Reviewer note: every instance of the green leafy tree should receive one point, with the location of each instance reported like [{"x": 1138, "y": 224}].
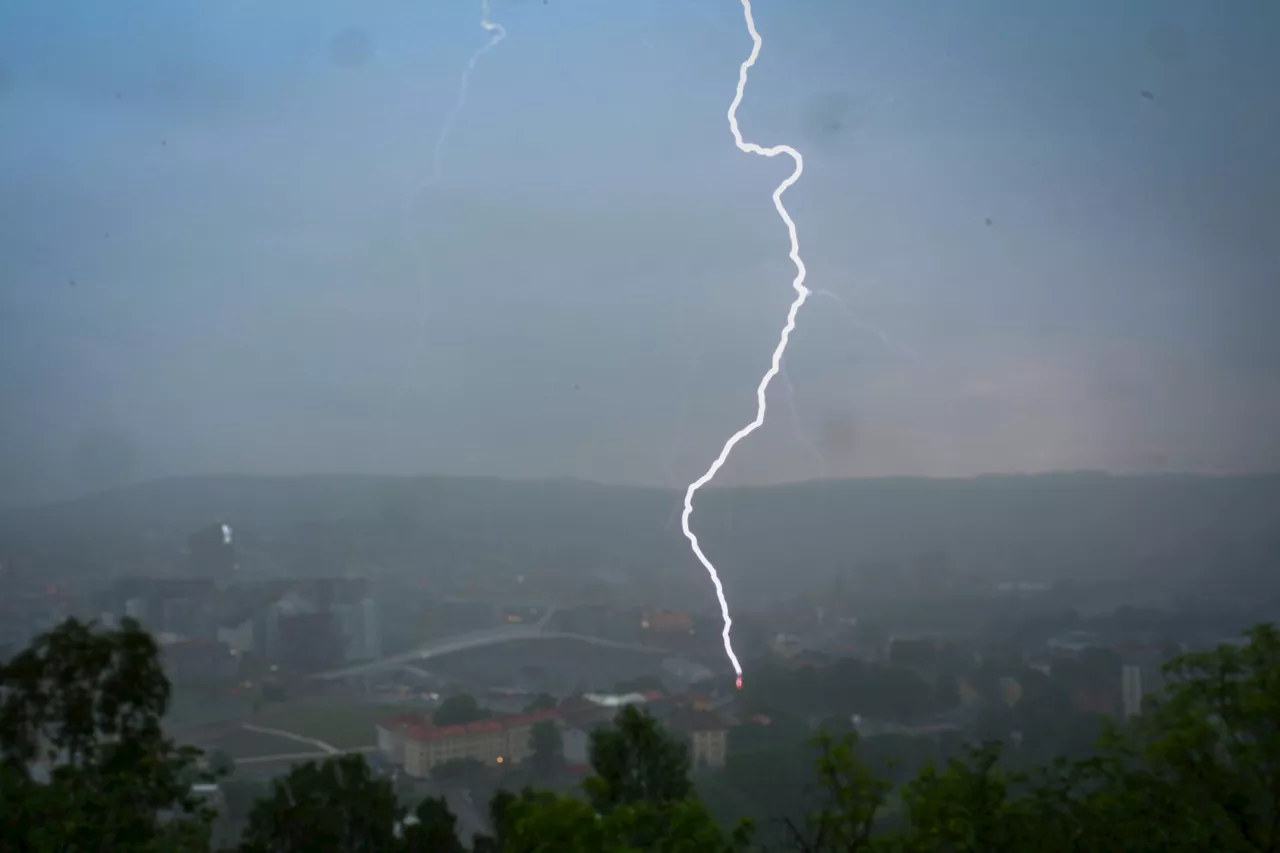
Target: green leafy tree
[
  {"x": 640, "y": 799},
  {"x": 546, "y": 745},
  {"x": 636, "y": 761},
  {"x": 457, "y": 709},
  {"x": 547, "y": 823},
  {"x": 1199, "y": 770},
  {"x": 850, "y": 798},
  {"x": 765, "y": 781},
  {"x": 1211, "y": 743},
  {"x": 434, "y": 829},
  {"x": 963, "y": 807},
  {"x": 84, "y": 764},
  {"x": 337, "y": 804}
]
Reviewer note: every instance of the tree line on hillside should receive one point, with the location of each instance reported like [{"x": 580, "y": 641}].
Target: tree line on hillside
[{"x": 85, "y": 766}]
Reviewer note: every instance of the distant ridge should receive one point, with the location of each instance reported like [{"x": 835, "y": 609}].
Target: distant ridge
[{"x": 1078, "y": 524}]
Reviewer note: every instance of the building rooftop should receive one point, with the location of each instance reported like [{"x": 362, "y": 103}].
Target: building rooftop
[
  {"x": 691, "y": 720},
  {"x": 419, "y": 728}
]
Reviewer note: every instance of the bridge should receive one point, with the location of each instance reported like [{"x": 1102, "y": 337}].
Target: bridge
[{"x": 480, "y": 639}]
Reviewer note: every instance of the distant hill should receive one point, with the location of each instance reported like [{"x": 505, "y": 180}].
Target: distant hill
[{"x": 766, "y": 539}]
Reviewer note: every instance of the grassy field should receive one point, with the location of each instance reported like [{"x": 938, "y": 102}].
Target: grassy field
[{"x": 346, "y": 724}]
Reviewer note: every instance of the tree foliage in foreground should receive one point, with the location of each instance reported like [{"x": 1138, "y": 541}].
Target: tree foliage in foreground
[
  {"x": 1199, "y": 770},
  {"x": 84, "y": 764}
]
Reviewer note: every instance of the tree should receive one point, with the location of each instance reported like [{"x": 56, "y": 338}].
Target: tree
[
  {"x": 1199, "y": 770},
  {"x": 636, "y": 761},
  {"x": 547, "y": 823},
  {"x": 639, "y": 799},
  {"x": 851, "y": 797},
  {"x": 433, "y": 829},
  {"x": 337, "y": 804},
  {"x": 457, "y": 709},
  {"x": 765, "y": 780},
  {"x": 1211, "y": 743},
  {"x": 546, "y": 746},
  {"x": 84, "y": 764},
  {"x": 963, "y": 807}
]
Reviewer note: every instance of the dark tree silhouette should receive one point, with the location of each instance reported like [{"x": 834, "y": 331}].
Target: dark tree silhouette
[{"x": 84, "y": 764}]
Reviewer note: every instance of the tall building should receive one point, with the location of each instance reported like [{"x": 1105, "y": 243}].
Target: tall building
[
  {"x": 360, "y": 627},
  {"x": 188, "y": 617},
  {"x": 1137, "y": 682},
  {"x": 309, "y": 642}
]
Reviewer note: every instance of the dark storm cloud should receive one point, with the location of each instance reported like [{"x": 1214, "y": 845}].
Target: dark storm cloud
[{"x": 1039, "y": 268}]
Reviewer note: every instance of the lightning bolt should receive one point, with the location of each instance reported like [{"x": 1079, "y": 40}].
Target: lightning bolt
[
  {"x": 496, "y": 34},
  {"x": 802, "y": 293}
]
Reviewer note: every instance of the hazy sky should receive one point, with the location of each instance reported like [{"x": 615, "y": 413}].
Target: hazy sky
[{"x": 1054, "y": 226}]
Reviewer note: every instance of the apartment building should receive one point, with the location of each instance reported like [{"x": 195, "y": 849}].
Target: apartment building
[{"x": 418, "y": 745}]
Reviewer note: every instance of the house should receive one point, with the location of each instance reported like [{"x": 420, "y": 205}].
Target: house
[{"x": 708, "y": 735}]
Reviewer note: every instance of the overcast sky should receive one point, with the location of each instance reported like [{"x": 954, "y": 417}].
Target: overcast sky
[{"x": 1054, "y": 228}]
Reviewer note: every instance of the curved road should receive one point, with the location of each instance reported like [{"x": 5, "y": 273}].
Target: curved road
[
  {"x": 480, "y": 639},
  {"x": 325, "y": 748}
]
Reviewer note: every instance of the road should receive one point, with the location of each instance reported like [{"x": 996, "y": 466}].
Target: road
[
  {"x": 281, "y": 733},
  {"x": 303, "y": 756}
]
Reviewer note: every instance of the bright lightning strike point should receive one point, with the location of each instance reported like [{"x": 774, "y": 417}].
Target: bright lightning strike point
[{"x": 802, "y": 293}]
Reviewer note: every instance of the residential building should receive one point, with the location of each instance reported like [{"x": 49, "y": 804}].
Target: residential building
[
  {"x": 308, "y": 642},
  {"x": 191, "y": 617},
  {"x": 1073, "y": 644},
  {"x": 361, "y": 629},
  {"x": 188, "y": 661},
  {"x": 708, "y": 735},
  {"x": 240, "y": 638},
  {"x": 420, "y": 746}
]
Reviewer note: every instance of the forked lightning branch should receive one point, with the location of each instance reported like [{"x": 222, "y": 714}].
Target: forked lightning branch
[{"x": 496, "y": 35}]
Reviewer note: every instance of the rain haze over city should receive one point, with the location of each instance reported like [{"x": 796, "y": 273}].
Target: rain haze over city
[{"x": 435, "y": 384}]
